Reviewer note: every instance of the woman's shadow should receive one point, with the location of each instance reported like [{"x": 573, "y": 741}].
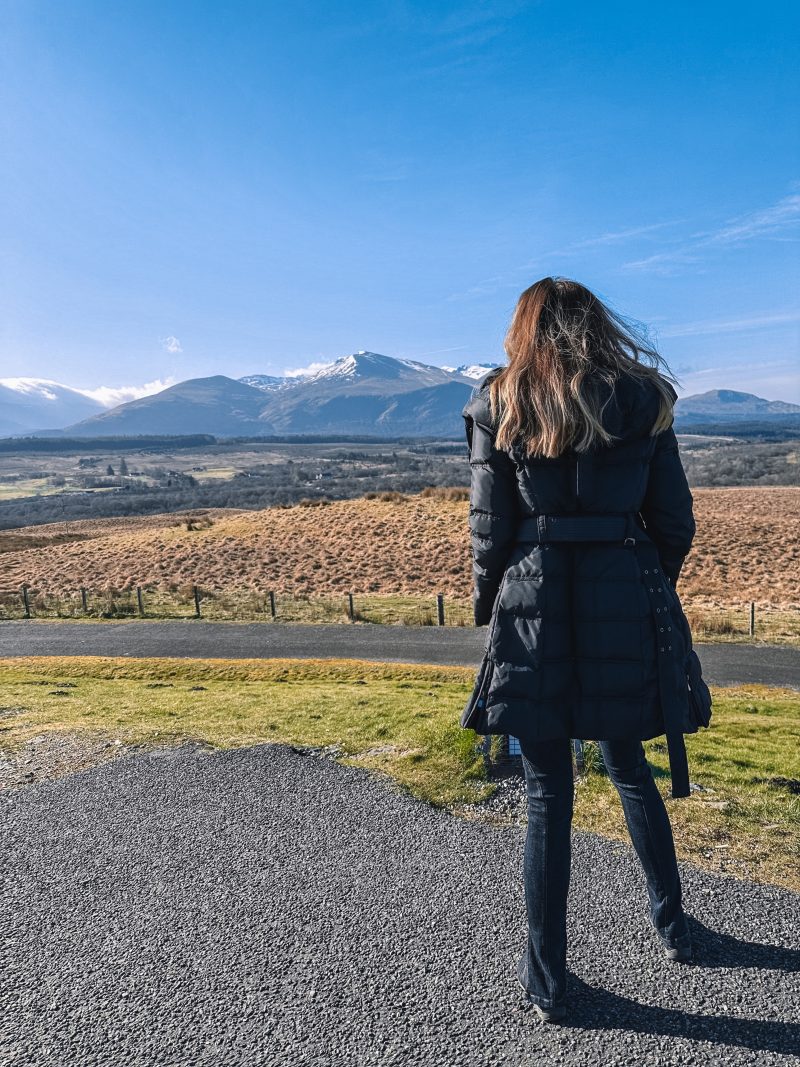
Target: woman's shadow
[
  {"x": 713, "y": 949},
  {"x": 593, "y": 1008}
]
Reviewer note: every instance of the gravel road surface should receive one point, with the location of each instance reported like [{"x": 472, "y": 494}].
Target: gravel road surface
[
  {"x": 267, "y": 907},
  {"x": 723, "y": 664}
]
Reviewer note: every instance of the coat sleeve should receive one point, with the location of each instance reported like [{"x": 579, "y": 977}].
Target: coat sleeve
[
  {"x": 667, "y": 505},
  {"x": 493, "y": 515}
]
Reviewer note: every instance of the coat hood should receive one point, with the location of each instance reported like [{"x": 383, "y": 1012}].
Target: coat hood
[{"x": 631, "y": 410}]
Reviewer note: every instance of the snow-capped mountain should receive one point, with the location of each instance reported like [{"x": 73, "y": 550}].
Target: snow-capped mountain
[
  {"x": 369, "y": 393},
  {"x": 363, "y": 366},
  {"x": 361, "y": 393},
  {"x": 363, "y": 369},
  {"x": 28, "y": 404}
]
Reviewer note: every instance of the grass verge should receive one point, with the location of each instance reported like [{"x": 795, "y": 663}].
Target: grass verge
[
  {"x": 725, "y": 624},
  {"x": 402, "y": 720}
]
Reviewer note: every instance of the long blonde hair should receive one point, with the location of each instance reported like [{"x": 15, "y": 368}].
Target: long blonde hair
[{"x": 562, "y": 342}]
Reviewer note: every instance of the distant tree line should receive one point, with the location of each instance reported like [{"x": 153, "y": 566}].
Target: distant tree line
[
  {"x": 332, "y": 474},
  {"x": 775, "y": 428},
  {"x": 154, "y": 443},
  {"x": 104, "y": 444},
  {"x": 729, "y": 463}
]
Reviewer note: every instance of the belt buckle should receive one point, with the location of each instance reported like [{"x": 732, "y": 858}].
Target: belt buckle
[{"x": 629, "y": 541}]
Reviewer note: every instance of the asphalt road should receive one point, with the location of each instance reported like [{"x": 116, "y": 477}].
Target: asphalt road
[
  {"x": 723, "y": 664},
  {"x": 262, "y": 907}
]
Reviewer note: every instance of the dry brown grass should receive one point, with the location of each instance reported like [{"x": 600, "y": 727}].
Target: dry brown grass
[{"x": 746, "y": 549}]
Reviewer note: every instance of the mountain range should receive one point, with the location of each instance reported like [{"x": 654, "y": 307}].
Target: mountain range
[{"x": 362, "y": 393}]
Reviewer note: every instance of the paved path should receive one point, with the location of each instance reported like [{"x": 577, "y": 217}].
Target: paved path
[
  {"x": 723, "y": 664},
  {"x": 263, "y": 907}
]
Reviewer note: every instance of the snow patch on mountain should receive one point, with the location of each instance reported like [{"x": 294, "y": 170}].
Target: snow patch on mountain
[{"x": 475, "y": 371}]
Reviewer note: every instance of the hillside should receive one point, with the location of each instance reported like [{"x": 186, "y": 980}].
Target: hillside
[
  {"x": 746, "y": 549},
  {"x": 728, "y": 404},
  {"x": 216, "y": 405}
]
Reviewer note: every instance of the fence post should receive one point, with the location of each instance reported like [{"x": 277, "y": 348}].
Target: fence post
[
  {"x": 752, "y": 618},
  {"x": 25, "y": 601},
  {"x": 440, "y": 607},
  {"x": 139, "y": 600},
  {"x": 272, "y": 603},
  {"x": 196, "y": 594},
  {"x": 580, "y": 762},
  {"x": 350, "y": 608},
  {"x": 84, "y": 602}
]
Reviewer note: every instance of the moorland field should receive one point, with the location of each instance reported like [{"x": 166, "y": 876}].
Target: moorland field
[{"x": 746, "y": 549}]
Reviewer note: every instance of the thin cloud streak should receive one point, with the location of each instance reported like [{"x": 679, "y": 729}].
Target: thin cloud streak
[
  {"x": 776, "y": 222},
  {"x": 613, "y": 237},
  {"x": 713, "y": 326},
  {"x": 488, "y": 286}
]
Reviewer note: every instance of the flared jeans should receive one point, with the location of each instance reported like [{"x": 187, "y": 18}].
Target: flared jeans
[{"x": 547, "y": 856}]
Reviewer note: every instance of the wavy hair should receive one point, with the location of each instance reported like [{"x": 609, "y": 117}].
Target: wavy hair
[{"x": 561, "y": 344}]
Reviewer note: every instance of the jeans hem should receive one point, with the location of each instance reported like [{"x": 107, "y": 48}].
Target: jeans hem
[{"x": 545, "y": 1003}]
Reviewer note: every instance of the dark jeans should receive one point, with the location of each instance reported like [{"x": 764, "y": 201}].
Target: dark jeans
[{"x": 548, "y": 775}]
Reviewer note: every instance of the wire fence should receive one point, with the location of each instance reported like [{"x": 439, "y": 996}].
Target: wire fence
[
  {"x": 201, "y": 602},
  {"x": 737, "y": 621}
]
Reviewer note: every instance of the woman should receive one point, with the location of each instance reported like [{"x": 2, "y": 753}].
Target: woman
[{"x": 580, "y": 519}]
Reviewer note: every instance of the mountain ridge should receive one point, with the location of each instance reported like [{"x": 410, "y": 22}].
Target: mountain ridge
[{"x": 365, "y": 393}]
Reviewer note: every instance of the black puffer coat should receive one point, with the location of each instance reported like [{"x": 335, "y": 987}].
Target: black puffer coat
[{"x": 587, "y": 637}]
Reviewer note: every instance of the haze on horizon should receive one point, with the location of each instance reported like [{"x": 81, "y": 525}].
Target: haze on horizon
[{"x": 258, "y": 189}]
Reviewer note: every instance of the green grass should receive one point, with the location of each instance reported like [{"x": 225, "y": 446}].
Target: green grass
[
  {"x": 25, "y": 487},
  {"x": 402, "y": 720},
  {"x": 746, "y": 818},
  {"x": 396, "y": 719}
]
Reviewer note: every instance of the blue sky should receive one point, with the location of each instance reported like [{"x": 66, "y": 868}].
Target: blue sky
[{"x": 200, "y": 188}]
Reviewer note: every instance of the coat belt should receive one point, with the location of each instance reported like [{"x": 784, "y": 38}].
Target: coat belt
[{"x": 585, "y": 527}]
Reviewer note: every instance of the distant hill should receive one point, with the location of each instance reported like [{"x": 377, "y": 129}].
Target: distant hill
[
  {"x": 727, "y": 405},
  {"x": 216, "y": 405},
  {"x": 30, "y": 404}
]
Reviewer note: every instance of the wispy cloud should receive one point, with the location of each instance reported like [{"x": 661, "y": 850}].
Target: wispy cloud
[
  {"x": 772, "y": 221},
  {"x": 311, "y": 368},
  {"x": 110, "y": 396},
  {"x": 713, "y": 326},
  {"x": 780, "y": 221},
  {"x": 613, "y": 237},
  {"x": 171, "y": 344},
  {"x": 543, "y": 261},
  {"x": 435, "y": 352}
]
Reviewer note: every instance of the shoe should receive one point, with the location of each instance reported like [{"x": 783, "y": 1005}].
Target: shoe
[
  {"x": 679, "y": 949},
  {"x": 550, "y": 1015},
  {"x": 546, "y": 1015}
]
